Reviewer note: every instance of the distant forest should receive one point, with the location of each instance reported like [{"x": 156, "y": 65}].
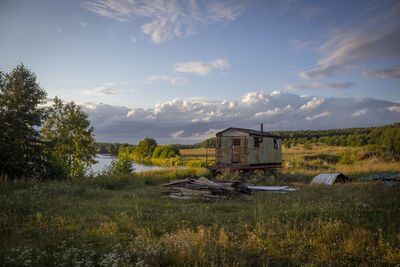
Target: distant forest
[
  {"x": 385, "y": 138},
  {"x": 109, "y": 148}
]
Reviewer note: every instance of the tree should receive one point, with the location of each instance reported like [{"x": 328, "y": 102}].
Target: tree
[
  {"x": 20, "y": 117},
  {"x": 167, "y": 151},
  {"x": 145, "y": 148},
  {"x": 120, "y": 167},
  {"x": 69, "y": 138}
]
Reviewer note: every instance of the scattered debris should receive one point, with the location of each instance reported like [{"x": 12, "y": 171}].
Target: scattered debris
[
  {"x": 276, "y": 189},
  {"x": 204, "y": 188},
  {"x": 330, "y": 178},
  {"x": 389, "y": 179},
  {"x": 390, "y": 183},
  {"x": 387, "y": 175}
]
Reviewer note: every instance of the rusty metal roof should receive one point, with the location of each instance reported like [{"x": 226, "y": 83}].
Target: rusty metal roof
[
  {"x": 251, "y": 132},
  {"x": 329, "y": 178}
]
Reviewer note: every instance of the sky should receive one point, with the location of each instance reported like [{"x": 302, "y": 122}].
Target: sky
[{"x": 180, "y": 71}]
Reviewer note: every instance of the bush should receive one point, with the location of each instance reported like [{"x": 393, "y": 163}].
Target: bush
[
  {"x": 307, "y": 146},
  {"x": 167, "y": 151},
  {"x": 145, "y": 148},
  {"x": 347, "y": 157},
  {"x": 122, "y": 166}
]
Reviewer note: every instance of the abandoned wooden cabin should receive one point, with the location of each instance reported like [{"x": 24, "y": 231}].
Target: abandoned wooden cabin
[{"x": 247, "y": 149}]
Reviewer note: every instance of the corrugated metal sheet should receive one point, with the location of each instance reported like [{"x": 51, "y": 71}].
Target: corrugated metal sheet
[
  {"x": 272, "y": 188},
  {"x": 329, "y": 178}
]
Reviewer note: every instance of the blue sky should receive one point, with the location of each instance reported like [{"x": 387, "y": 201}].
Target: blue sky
[{"x": 181, "y": 70}]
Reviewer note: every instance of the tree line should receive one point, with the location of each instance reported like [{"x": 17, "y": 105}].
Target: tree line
[
  {"x": 109, "y": 148},
  {"x": 148, "y": 149},
  {"x": 38, "y": 140},
  {"x": 380, "y": 139}
]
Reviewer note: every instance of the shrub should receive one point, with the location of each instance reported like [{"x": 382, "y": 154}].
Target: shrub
[
  {"x": 307, "y": 146},
  {"x": 122, "y": 166},
  {"x": 167, "y": 151},
  {"x": 347, "y": 157}
]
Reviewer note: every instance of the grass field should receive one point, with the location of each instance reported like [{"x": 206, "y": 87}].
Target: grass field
[
  {"x": 197, "y": 153},
  {"x": 308, "y": 163},
  {"x": 125, "y": 221}
]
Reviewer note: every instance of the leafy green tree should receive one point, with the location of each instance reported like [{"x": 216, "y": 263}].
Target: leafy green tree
[
  {"x": 69, "y": 137},
  {"x": 20, "y": 117},
  {"x": 145, "y": 148},
  {"x": 122, "y": 166},
  {"x": 390, "y": 139},
  {"x": 167, "y": 151}
]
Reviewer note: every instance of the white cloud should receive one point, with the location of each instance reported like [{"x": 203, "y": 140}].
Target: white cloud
[
  {"x": 394, "y": 108},
  {"x": 196, "y": 136},
  {"x": 314, "y": 103},
  {"x": 83, "y": 24},
  {"x": 359, "y": 112},
  {"x": 276, "y": 92},
  {"x": 313, "y": 117},
  {"x": 273, "y": 112},
  {"x": 167, "y": 19},
  {"x": 172, "y": 79},
  {"x": 295, "y": 87},
  {"x": 194, "y": 120},
  {"x": 347, "y": 49},
  {"x": 201, "y": 68},
  {"x": 384, "y": 73},
  {"x": 101, "y": 91}
]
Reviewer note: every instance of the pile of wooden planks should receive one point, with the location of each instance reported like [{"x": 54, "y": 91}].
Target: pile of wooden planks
[{"x": 208, "y": 189}]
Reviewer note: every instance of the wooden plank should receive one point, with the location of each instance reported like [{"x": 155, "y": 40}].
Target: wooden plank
[{"x": 173, "y": 182}]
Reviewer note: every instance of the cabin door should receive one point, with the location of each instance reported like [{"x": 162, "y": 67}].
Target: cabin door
[{"x": 236, "y": 150}]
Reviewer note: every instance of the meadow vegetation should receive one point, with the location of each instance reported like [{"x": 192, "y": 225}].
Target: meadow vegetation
[
  {"x": 126, "y": 220},
  {"x": 119, "y": 219}
]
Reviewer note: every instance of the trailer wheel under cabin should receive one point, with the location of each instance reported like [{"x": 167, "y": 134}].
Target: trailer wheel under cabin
[{"x": 247, "y": 149}]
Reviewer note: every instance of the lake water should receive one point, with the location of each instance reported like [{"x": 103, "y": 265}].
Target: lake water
[{"x": 105, "y": 160}]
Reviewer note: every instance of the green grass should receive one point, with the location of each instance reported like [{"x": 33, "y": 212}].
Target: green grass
[{"x": 127, "y": 221}]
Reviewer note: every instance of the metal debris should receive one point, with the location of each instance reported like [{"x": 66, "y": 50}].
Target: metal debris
[
  {"x": 276, "y": 189},
  {"x": 380, "y": 176},
  {"x": 390, "y": 183},
  {"x": 329, "y": 178}
]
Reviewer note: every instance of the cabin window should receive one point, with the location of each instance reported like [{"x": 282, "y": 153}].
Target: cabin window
[
  {"x": 276, "y": 144},
  {"x": 256, "y": 142},
  {"x": 236, "y": 142}
]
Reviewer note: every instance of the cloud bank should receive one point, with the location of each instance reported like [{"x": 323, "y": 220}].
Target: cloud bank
[
  {"x": 384, "y": 73},
  {"x": 376, "y": 40},
  {"x": 317, "y": 86},
  {"x": 189, "y": 121},
  {"x": 166, "y": 20}
]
